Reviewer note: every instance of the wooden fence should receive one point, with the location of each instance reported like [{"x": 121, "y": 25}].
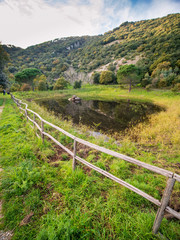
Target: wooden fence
[{"x": 171, "y": 177}]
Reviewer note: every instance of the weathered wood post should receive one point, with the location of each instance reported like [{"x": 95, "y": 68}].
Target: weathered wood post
[
  {"x": 26, "y": 114},
  {"x": 164, "y": 204},
  {"x": 42, "y": 130},
  {"x": 34, "y": 119},
  {"x": 74, "y": 156}
]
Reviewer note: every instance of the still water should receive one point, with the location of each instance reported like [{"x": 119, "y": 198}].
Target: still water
[{"x": 101, "y": 115}]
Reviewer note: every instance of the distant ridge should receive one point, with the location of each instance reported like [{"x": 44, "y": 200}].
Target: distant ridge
[{"x": 148, "y": 40}]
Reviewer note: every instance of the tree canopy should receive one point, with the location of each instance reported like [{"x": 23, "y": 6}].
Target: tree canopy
[
  {"x": 128, "y": 74},
  {"x": 4, "y": 57},
  {"x": 60, "y": 84},
  {"x": 106, "y": 77},
  {"x": 27, "y": 75},
  {"x": 96, "y": 77}
]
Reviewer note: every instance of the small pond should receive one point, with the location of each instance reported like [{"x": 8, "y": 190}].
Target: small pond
[{"x": 101, "y": 115}]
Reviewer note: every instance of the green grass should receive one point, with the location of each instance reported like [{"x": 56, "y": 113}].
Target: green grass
[
  {"x": 81, "y": 204},
  {"x": 1, "y": 101}
]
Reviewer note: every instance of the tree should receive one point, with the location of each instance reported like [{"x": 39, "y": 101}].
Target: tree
[
  {"x": 42, "y": 85},
  {"x": 160, "y": 67},
  {"x": 106, "y": 77},
  {"x": 77, "y": 84},
  {"x": 146, "y": 80},
  {"x": 128, "y": 74},
  {"x": 25, "y": 87},
  {"x": 96, "y": 77},
  {"x": 60, "y": 83},
  {"x": 4, "y": 57},
  {"x": 111, "y": 67},
  {"x": 27, "y": 76},
  {"x": 14, "y": 87},
  {"x": 40, "y": 82}
]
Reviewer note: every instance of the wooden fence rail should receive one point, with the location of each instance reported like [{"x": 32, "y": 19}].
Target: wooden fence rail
[{"x": 172, "y": 177}]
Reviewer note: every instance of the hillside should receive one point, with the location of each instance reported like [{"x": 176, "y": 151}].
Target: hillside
[{"x": 149, "y": 42}]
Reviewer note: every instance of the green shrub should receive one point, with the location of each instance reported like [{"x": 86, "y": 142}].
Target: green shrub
[
  {"x": 96, "y": 77},
  {"x": 176, "y": 88},
  {"x": 20, "y": 179},
  {"x": 60, "y": 84},
  {"x": 106, "y": 77},
  {"x": 25, "y": 87},
  {"x": 148, "y": 87},
  {"x": 14, "y": 87},
  {"x": 42, "y": 86},
  {"x": 77, "y": 84}
]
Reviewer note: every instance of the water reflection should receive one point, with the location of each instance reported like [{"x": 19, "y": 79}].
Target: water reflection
[{"x": 101, "y": 115}]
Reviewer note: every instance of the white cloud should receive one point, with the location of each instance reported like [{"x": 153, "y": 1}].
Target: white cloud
[{"x": 27, "y": 22}]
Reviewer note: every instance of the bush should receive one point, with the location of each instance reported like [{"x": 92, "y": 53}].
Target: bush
[
  {"x": 61, "y": 84},
  {"x": 25, "y": 87},
  {"x": 155, "y": 82},
  {"x": 42, "y": 86},
  {"x": 1, "y": 88},
  {"x": 96, "y": 77},
  {"x": 14, "y": 87},
  {"x": 112, "y": 67},
  {"x": 176, "y": 80},
  {"x": 106, "y": 77},
  {"x": 148, "y": 87},
  {"x": 77, "y": 84},
  {"x": 162, "y": 83},
  {"x": 146, "y": 80},
  {"x": 176, "y": 88}
]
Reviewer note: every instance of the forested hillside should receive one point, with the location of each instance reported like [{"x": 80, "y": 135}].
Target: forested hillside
[{"x": 153, "y": 44}]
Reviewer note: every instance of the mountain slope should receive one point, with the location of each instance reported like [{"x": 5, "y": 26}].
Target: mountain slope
[{"x": 152, "y": 41}]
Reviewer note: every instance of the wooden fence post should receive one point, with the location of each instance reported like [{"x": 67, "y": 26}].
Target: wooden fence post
[
  {"x": 74, "y": 155},
  {"x": 164, "y": 204},
  {"x": 20, "y": 106},
  {"x": 34, "y": 119},
  {"x": 42, "y": 130},
  {"x": 26, "y": 114}
]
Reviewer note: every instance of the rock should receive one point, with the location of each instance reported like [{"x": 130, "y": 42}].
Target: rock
[
  {"x": 77, "y": 99},
  {"x": 6, "y": 235},
  {"x": 74, "y": 98}
]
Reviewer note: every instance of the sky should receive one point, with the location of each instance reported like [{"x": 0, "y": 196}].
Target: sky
[{"x": 28, "y": 22}]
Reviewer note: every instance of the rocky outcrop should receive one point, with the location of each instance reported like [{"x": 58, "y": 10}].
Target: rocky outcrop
[{"x": 74, "y": 98}]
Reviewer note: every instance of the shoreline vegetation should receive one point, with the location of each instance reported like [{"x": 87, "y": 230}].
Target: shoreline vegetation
[{"x": 44, "y": 199}]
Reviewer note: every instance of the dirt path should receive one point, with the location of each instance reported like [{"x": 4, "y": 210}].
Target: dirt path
[{"x": 1, "y": 107}]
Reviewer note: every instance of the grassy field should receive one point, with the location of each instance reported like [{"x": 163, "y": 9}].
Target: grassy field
[
  {"x": 44, "y": 199},
  {"x": 1, "y": 101}
]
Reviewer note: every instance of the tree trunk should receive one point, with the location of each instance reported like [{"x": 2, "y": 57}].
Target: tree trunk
[{"x": 130, "y": 85}]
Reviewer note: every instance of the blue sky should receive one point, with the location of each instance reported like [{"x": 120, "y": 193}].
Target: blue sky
[{"x": 27, "y": 22}]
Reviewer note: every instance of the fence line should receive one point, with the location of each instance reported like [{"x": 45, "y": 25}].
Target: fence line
[{"x": 172, "y": 177}]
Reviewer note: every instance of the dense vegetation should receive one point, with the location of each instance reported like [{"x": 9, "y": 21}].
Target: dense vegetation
[
  {"x": 3, "y": 59},
  {"x": 153, "y": 44}
]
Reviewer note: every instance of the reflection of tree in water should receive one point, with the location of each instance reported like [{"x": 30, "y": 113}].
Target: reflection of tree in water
[
  {"x": 106, "y": 108},
  {"x": 102, "y": 115}
]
